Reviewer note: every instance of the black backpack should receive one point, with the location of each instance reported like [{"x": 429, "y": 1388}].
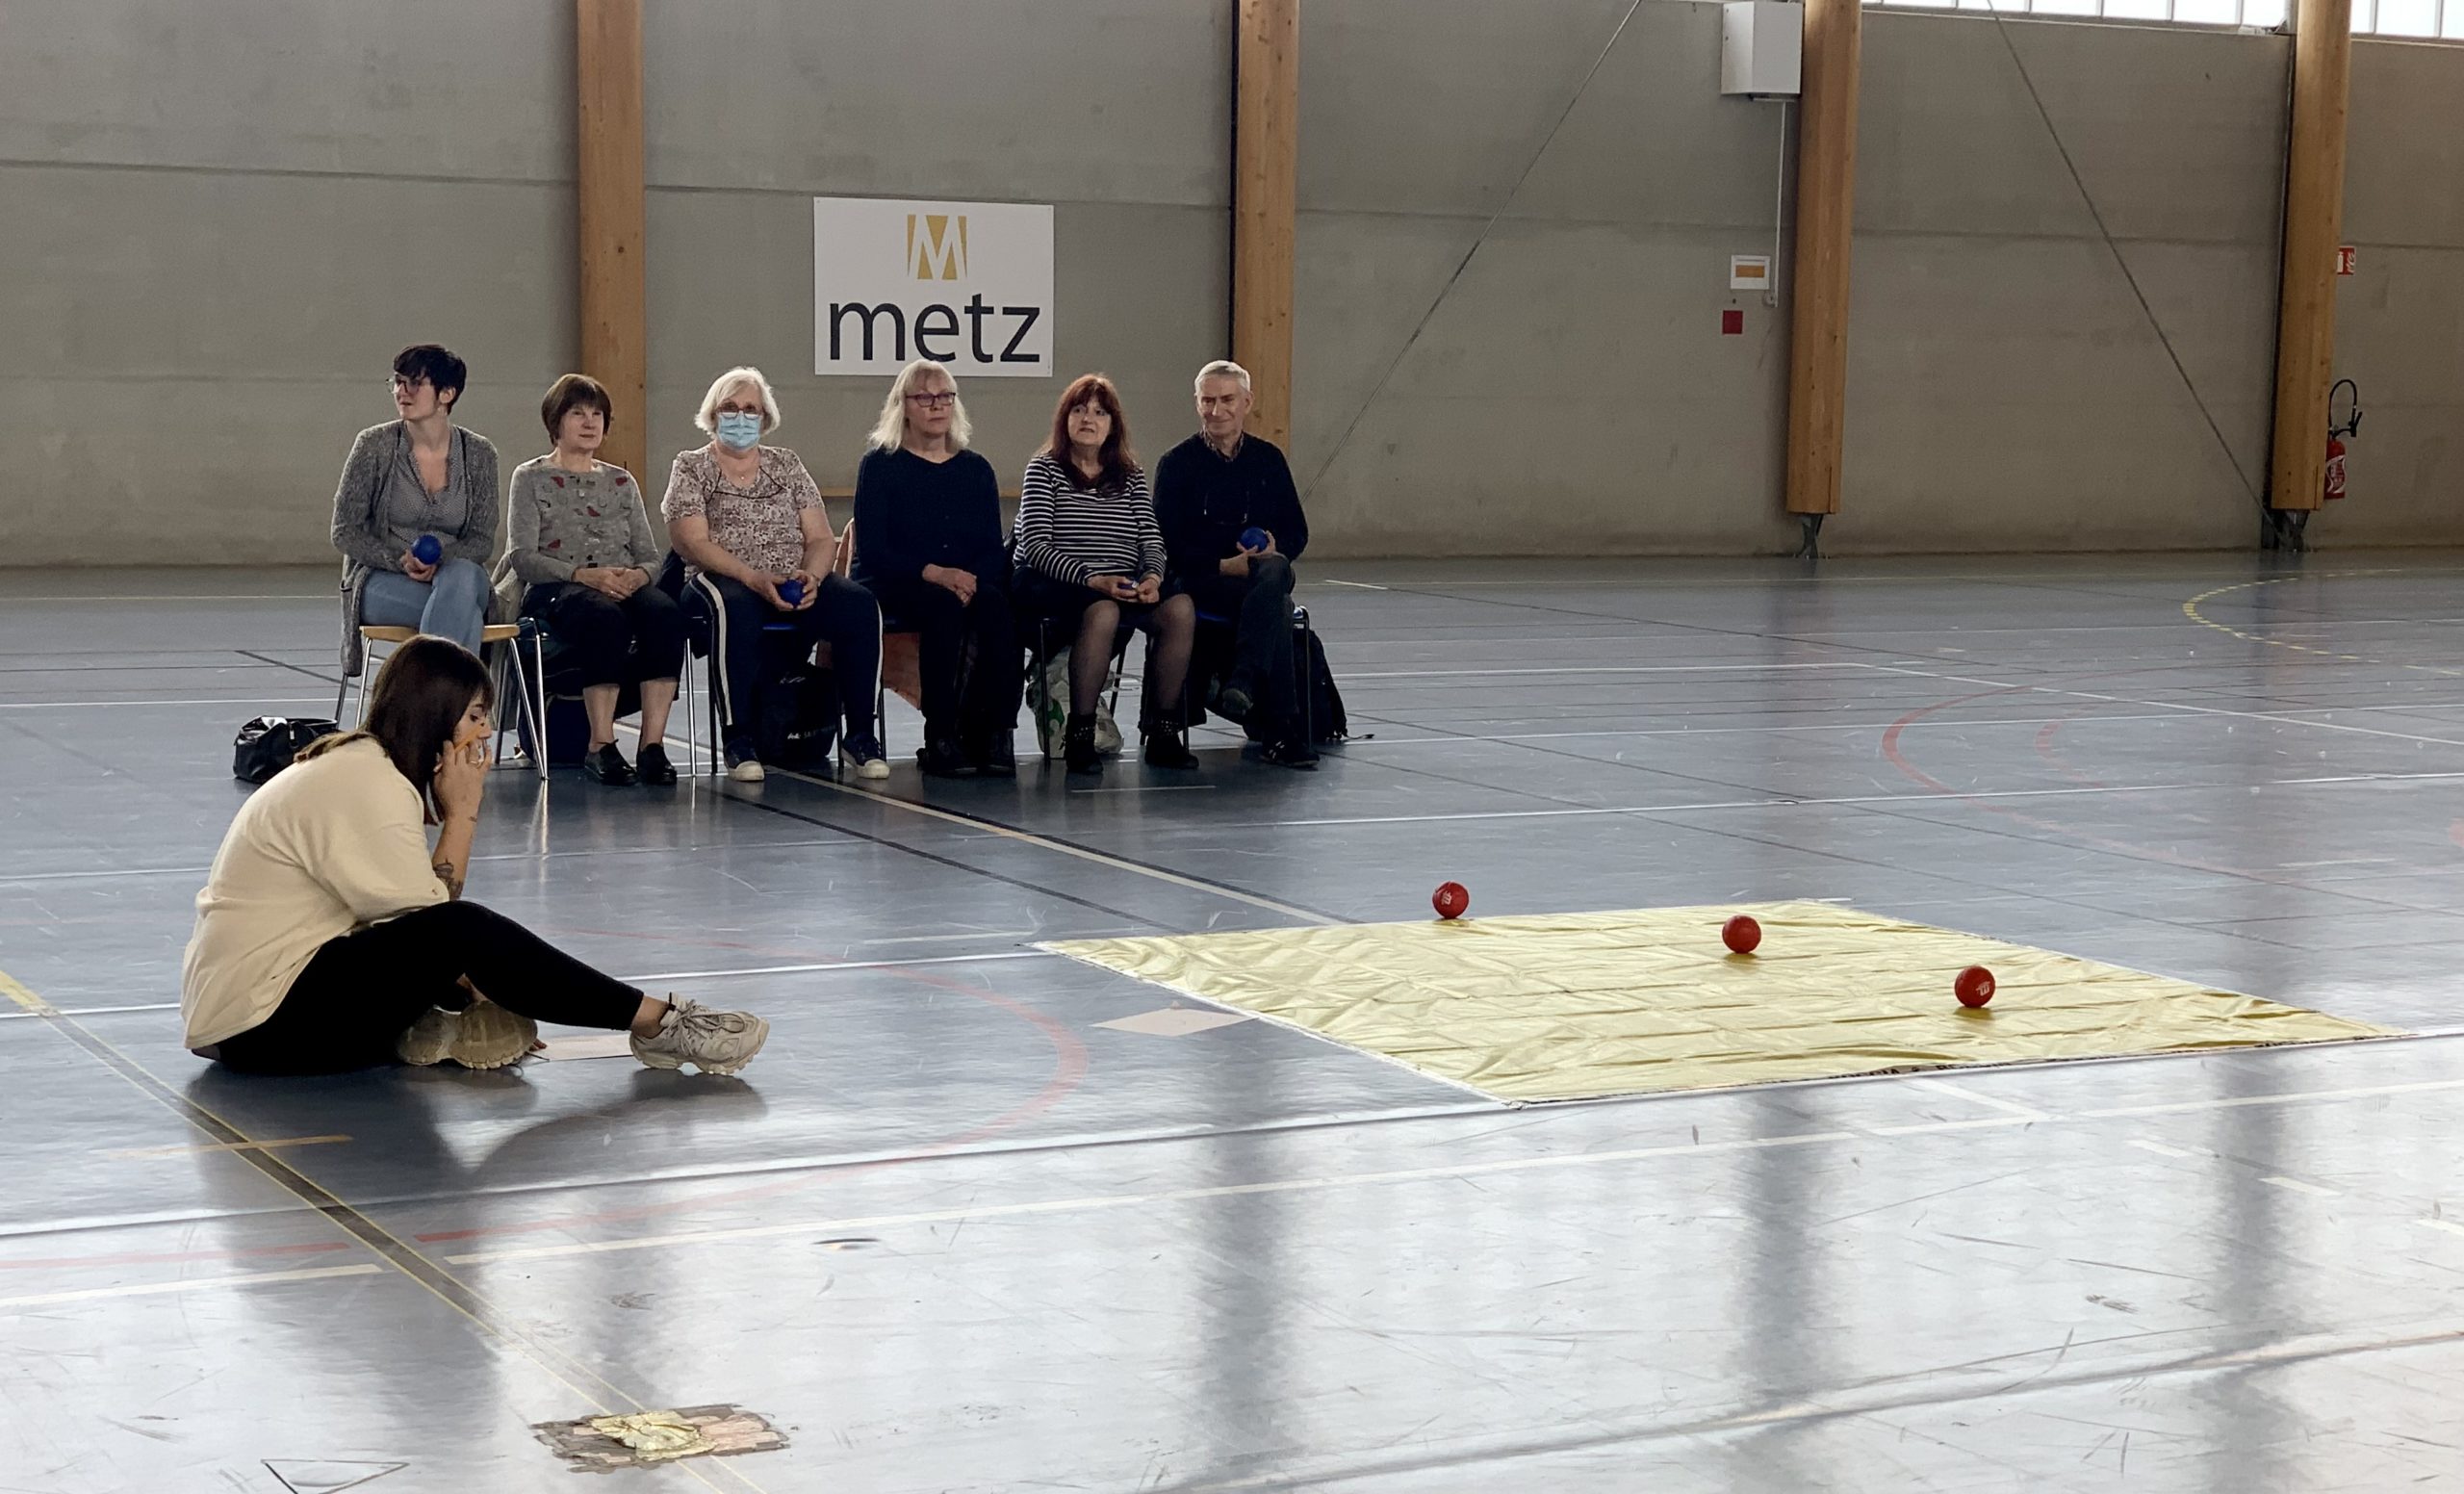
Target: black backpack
[{"x": 265, "y": 745}]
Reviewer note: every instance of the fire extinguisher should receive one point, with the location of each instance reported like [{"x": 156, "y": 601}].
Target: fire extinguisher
[{"x": 2336, "y": 434}]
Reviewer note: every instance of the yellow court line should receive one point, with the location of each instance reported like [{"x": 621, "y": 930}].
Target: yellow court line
[
  {"x": 204, "y": 1147},
  {"x": 493, "y": 1322},
  {"x": 2189, "y": 609}
]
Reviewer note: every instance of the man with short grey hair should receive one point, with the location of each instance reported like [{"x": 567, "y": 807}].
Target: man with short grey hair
[{"x": 1232, "y": 526}]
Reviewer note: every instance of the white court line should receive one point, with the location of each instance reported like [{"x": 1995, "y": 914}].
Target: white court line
[
  {"x": 1979, "y": 1097},
  {"x": 2184, "y": 706},
  {"x": 157, "y": 596},
  {"x": 90, "y": 1011},
  {"x": 235, "y": 700},
  {"x": 2296, "y": 1185},
  {"x": 1118, "y": 1200},
  {"x": 1097, "y": 1201},
  {"x": 2161, "y": 1148},
  {"x": 2185, "y": 1107},
  {"x": 1481, "y": 673},
  {"x": 1356, "y": 585},
  {"x": 2448, "y": 1224},
  {"x": 949, "y": 938},
  {"x": 835, "y": 964},
  {"x": 1963, "y": 723},
  {"x": 192, "y": 1284}
]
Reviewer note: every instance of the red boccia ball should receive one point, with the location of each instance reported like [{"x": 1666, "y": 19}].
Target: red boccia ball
[
  {"x": 1741, "y": 934},
  {"x": 1974, "y": 987},
  {"x": 1450, "y": 899}
]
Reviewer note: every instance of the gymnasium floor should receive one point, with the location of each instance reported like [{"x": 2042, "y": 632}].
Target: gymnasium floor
[{"x": 952, "y": 1234}]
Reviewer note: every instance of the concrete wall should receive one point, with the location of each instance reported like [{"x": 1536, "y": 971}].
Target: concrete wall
[
  {"x": 220, "y": 221},
  {"x": 2399, "y": 319}
]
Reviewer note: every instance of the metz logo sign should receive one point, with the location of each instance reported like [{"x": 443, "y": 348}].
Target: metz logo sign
[{"x": 966, "y": 283}]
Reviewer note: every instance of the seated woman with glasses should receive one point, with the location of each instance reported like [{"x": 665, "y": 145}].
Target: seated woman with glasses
[
  {"x": 749, "y": 524},
  {"x": 1090, "y": 557},
  {"x": 330, "y": 936},
  {"x": 579, "y": 557},
  {"x": 417, "y": 479},
  {"x": 928, "y": 544}
]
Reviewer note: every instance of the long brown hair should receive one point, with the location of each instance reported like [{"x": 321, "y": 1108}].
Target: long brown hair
[
  {"x": 415, "y": 707},
  {"x": 1116, "y": 461}
]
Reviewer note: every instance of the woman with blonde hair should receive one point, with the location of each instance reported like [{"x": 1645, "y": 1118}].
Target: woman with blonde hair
[
  {"x": 1090, "y": 556},
  {"x": 929, "y": 547},
  {"x": 330, "y": 937},
  {"x": 757, "y": 547}
]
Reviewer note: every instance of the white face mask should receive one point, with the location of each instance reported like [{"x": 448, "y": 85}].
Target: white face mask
[{"x": 739, "y": 431}]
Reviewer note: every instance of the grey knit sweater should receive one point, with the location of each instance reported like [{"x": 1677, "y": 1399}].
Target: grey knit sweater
[{"x": 381, "y": 511}]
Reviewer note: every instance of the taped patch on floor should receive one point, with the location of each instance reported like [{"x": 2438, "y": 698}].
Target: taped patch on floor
[
  {"x": 647, "y": 1439},
  {"x": 1579, "y": 1005}
]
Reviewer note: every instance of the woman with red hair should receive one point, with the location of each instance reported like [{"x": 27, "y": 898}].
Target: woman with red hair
[{"x": 1089, "y": 555}]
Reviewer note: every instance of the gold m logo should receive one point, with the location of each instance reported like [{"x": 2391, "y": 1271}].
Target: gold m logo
[{"x": 936, "y": 246}]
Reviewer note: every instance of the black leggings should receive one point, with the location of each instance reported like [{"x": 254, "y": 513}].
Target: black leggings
[
  {"x": 843, "y": 615},
  {"x": 605, "y": 641},
  {"x": 362, "y": 989}
]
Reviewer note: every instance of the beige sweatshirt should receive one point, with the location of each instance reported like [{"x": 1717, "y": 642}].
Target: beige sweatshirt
[{"x": 330, "y": 845}]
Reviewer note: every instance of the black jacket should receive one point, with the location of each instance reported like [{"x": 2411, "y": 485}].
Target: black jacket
[
  {"x": 912, "y": 513},
  {"x": 1202, "y": 502}
]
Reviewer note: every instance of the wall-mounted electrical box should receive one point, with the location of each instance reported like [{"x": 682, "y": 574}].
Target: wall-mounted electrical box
[{"x": 1761, "y": 48}]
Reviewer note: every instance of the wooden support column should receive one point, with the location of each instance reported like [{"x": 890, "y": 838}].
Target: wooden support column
[
  {"x": 2314, "y": 206},
  {"x": 607, "y": 72},
  {"x": 1266, "y": 152},
  {"x": 1818, "y": 304}
]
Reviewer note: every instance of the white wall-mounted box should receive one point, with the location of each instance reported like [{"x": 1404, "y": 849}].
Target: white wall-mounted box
[{"x": 1761, "y": 48}]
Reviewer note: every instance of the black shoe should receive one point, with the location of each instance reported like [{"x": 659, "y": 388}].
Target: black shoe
[
  {"x": 1289, "y": 751},
  {"x": 652, "y": 766},
  {"x": 1235, "y": 701},
  {"x": 1163, "y": 743},
  {"x": 1078, "y": 745},
  {"x": 941, "y": 758},
  {"x": 609, "y": 767},
  {"x": 996, "y": 757}
]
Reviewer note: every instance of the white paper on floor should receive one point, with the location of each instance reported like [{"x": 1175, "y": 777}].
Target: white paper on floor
[
  {"x": 596, "y": 1045},
  {"x": 1176, "y": 1021}
]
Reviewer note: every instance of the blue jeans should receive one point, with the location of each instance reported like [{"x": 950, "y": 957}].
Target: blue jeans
[{"x": 454, "y": 606}]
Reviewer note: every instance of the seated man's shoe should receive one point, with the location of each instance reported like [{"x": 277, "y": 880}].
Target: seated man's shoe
[
  {"x": 652, "y": 766},
  {"x": 1237, "y": 701},
  {"x": 743, "y": 767},
  {"x": 609, "y": 767},
  {"x": 941, "y": 758},
  {"x": 1289, "y": 751}
]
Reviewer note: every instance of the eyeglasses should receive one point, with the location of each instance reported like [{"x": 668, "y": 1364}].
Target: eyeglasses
[
  {"x": 398, "y": 383},
  {"x": 741, "y": 409},
  {"x": 937, "y": 401}
]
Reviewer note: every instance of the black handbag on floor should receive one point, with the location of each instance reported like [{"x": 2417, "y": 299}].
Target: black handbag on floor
[{"x": 265, "y": 745}]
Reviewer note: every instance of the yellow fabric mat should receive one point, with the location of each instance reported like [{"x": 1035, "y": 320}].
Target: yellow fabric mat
[{"x": 1582, "y": 1005}]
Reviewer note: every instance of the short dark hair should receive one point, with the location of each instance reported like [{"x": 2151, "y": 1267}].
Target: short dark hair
[
  {"x": 437, "y": 365},
  {"x": 416, "y": 705},
  {"x": 574, "y": 392}
]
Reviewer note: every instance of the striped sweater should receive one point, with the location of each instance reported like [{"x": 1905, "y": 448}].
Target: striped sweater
[{"x": 1072, "y": 532}]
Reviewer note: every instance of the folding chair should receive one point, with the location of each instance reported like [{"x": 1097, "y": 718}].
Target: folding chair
[
  {"x": 1038, "y": 658},
  {"x": 525, "y": 685}
]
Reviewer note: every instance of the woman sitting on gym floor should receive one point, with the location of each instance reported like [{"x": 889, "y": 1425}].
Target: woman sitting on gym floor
[
  {"x": 1090, "y": 557},
  {"x": 330, "y": 938},
  {"x": 580, "y": 558}
]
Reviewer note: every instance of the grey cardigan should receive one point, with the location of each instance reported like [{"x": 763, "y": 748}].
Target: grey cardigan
[
  {"x": 557, "y": 522},
  {"x": 368, "y": 543}
]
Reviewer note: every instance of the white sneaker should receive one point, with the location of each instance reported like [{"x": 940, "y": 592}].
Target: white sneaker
[
  {"x": 429, "y": 1041},
  {"x": 748, "y": 771},
  {"x": 487, "y": 1035},
  {"x": 862, "y": 757},
  {"x": 716, "y": 1043}
]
